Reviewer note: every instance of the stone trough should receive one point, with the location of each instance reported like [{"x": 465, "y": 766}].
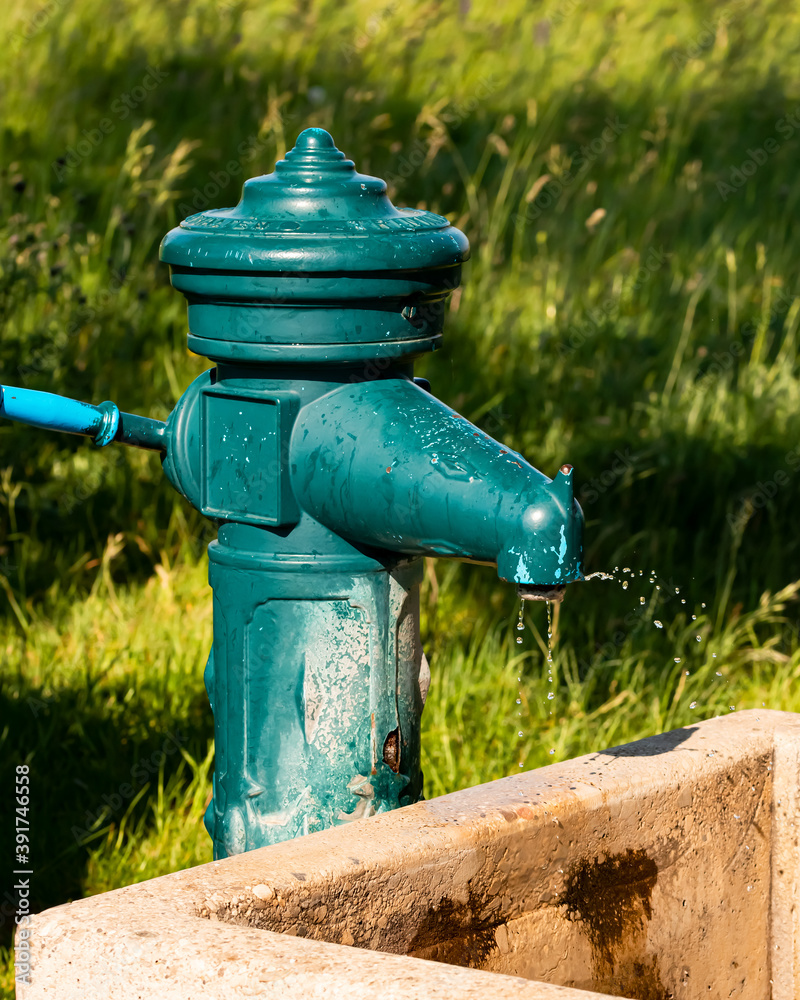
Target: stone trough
[{"x": 664, "y": 868}]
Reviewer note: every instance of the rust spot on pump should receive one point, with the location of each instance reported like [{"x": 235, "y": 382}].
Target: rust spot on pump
[{"x": 391, "y": 750}]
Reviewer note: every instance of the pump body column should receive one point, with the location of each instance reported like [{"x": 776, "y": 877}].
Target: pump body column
[{"x": 314, "y": 681}]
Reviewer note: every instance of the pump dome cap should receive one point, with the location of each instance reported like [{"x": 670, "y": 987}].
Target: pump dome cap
[{"x": 314, "y": 213}]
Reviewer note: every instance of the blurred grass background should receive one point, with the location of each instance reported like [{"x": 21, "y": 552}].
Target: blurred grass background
[{"x": 626, "y": 173}]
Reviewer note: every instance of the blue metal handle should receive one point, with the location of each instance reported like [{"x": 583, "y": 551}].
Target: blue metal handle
[
  {"x": 103, "y": 423},
  {"x": 57, "y": 413}
]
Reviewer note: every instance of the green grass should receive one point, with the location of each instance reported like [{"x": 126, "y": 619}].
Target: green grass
[{"x": 632, "y": 307}]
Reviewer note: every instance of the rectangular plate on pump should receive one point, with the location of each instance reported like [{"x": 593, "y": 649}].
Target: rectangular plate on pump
[{"x": 245, "y": 453}]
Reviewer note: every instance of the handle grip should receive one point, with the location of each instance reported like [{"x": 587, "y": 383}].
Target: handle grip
[{"x": 103, "y": 423}]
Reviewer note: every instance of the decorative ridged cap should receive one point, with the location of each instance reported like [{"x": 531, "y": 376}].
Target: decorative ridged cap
[{"x": 314, "y": 213}]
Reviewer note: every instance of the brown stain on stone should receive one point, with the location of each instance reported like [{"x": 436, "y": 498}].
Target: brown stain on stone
[
  {"x": 455, "y": 933},
  {"x": 611, "y": 899}
]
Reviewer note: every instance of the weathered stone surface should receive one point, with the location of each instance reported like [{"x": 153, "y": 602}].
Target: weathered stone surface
[{"x": 667, "y": 867}]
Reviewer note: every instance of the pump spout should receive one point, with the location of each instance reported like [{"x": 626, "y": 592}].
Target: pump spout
[
  {"x": 104, "y": 423},
  {"x": 387, "y": 465}
]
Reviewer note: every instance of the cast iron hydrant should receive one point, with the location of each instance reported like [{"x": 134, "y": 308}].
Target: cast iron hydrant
[{"x": 329, "y": 471}]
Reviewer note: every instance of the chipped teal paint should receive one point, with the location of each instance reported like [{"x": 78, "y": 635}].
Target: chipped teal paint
[{"x": 330, "y": 472}]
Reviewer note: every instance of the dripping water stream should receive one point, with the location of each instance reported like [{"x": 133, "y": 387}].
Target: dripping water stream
[
  {"x": 644, "y": 610},
  {"x": 551, "y": 692}
]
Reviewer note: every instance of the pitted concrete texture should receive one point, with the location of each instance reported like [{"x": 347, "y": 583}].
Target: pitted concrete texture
[{"x": 663, "y": 868}]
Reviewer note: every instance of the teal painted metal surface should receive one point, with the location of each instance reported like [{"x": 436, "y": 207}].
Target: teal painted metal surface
[
  {"x": 315, "y": 265},
  {"x": 330, "y": 472}
]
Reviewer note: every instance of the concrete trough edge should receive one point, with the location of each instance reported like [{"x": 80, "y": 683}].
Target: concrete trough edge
[{"x": 164, "y": 938}]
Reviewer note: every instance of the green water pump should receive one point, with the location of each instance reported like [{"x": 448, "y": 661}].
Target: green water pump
[{"x": 329, "y": 471}]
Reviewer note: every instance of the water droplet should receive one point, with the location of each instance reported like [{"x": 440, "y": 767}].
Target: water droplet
[
  {"x": 736, "y": 817},
  {"x": 553, "y": 750},
  {"x": 624, "y": 584},
  {"x": 626, "y": 569},
  {"x": 719, "y": 674},
  {"x": 520, "y": 734},
  {"x": 519, "y": 638},
  {"x": 686, "y": 672},
  {"x": 521, "y": 764},
  {"x": 651, "y": 580},
  {"x": 550, "y": 696},
  {"x": 702, "y": 605},
  {"x": 732, "y": 708},
  {"x": 677, "y": 590},
  {"x": 549, "y": 636},
  {"x": 658, "y": 587},
  {"x": 749, "y": 888},
  {"x": 520, "y": 626},
  {"x": 658, "y": 624},
  {"x": 641, "y": 600},
  {"x": 694, "y": 618},
  {"x": 677, "y": 659},
  {"x": 519, "y": 701},
  {"x": 699, "y": 638},
  {"x": 714, "y": 656},
  {"x": 693, "y": 705}
]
